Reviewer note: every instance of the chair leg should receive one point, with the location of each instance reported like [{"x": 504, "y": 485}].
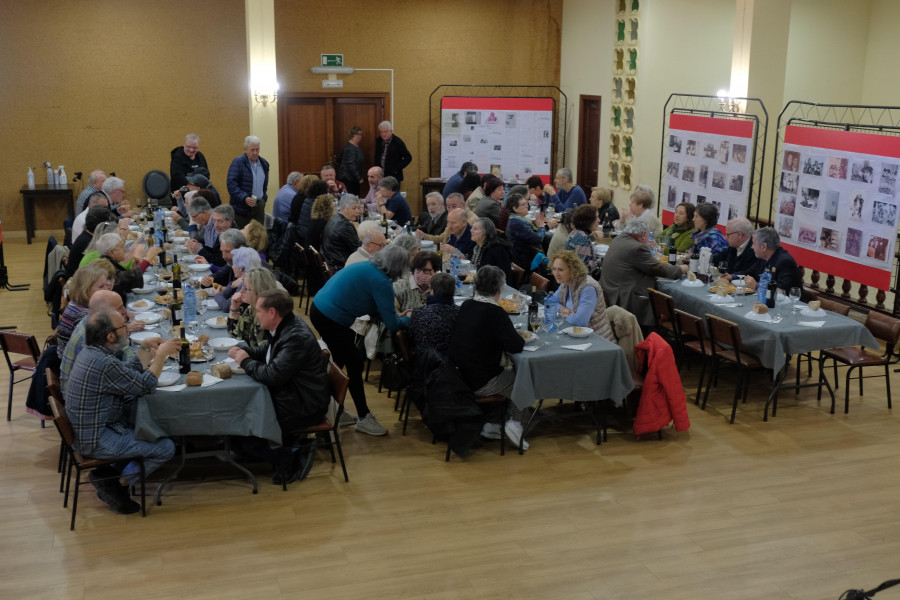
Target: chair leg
[
  {"x": 337, "y": 443},
  {"x": 143, "y": 489},
  {"x": 503, "y": 430},
  {"x": 9, "y": 404},
  {"x": 737, "y": 395},
  {"x": 847, "y": 390},
  {"x": 75, "y": 497},
  {"x": 887, "y": 382},
  {"x": 447, "y": 457},
  {"x": 368, "y": 366},
  {"x": 700, "y": 382},
  {"x": 713, "y": 377}
]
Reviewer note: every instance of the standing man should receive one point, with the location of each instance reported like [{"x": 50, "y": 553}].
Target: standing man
[
  {"x": 372, "y": 241},
  {"x": 281, "y": 208},
  {"x": 184, "y": 160},
  {"x": 248, "y": 180},
  {"x": 390, "y": 152},
  {"x": 95, "y": 184},
  {"x": 455, "y": 183},
  {"x": 351, "y": 168},
  {"x": 375, "y": 175}
]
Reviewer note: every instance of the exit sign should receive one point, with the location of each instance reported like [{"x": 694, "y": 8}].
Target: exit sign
[{"x": 332, "y": 60}]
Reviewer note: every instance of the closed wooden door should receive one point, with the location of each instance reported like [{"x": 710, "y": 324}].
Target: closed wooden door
[
  {"x": 588, "y": 142},
  {"x": 312, "y": 128}
]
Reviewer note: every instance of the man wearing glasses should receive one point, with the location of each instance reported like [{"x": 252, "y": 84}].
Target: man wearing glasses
[
  {"x": 739, "y": 255},
  {"x": 372, "y": 241},
  {"x": 99, "y": 392}
]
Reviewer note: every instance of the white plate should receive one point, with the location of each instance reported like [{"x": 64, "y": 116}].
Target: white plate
[
  {"x": 222, "y": 343},
  {"x": 585, "y": 332},
  {"x": 211, "y": 303},
  {"x": 148, "y": 317},
  {"x": 212, "y": 323},
  {"x": 179, "y": 239},
  {"x": 689, "y": 283},
  {"x": 144, "y": 290},
  {"x": 806, "y": 312},
  {"x": 149, "y": 278},
  {"x": 137, "y": 309},
  {"x": 140, "y": 336},
  {"x": 188, "y": 258},
  {"x": 717, "y": 299},
  {"x": 167, "y": 378},
  {"x": 198, "y": 267},
  {"x": 210, "y": 356}
]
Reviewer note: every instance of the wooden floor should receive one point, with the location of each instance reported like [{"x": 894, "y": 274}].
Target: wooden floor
[{"x": 804, "y": 506}]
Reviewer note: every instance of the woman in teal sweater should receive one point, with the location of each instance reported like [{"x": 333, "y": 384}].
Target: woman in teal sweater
[{"x": 364, "y": 288}]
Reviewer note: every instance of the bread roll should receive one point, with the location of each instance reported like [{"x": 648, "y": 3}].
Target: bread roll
[
  {"x": 760, "y": 308},
  {"x": 691, "y": 276},
  {"x": 194, "y": 378},
  {"x": 815, "y": 305},
  {"x": 221, "y": 371}
]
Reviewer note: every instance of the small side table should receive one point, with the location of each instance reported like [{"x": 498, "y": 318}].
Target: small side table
[{"x": 44, "y": 193}]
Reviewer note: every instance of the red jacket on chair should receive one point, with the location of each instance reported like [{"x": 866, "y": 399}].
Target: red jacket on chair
[{"x": 662, "y": 398}]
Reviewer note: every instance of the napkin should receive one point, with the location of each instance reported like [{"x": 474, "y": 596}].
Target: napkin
[
  {"x": 579, "y": 347},
  {"x": 532, "y": 348},
  {"x": 209, "y": 380},
  {"x": 811, "y": 323},
  {"x": 172, "y": 388}
]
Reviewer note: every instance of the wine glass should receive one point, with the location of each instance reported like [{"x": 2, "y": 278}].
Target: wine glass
[
  {"x": 534, "y": 323},
  {"x": 193, "y": 327},
  {"x": 723, "y": 268},
  {"x": 795, "y": 298},
  {"x": 201, "y": 306}
]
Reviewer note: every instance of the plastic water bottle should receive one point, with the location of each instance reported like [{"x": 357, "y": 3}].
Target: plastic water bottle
[
  {"x": 190, "y": 303},
  {"x": 763, "y": 286},
  {"x": 551, "y": 310},
  {"x": 455, "y": 266},
  {"x": 63, "y": 178},
  {"x": 30, "y": 179},
  {"x": 158, "y": 218},
  {"x": 652, "y": 244}
]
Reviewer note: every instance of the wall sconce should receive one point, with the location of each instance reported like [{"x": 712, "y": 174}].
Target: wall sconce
[
  {"x": 264, "y": 86},
  {"x": 727, "y": 103},
  {"x": 264, "y": 97}
]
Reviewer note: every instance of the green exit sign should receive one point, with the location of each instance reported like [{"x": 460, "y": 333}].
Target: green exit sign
[{"x": 332, "y": 60}]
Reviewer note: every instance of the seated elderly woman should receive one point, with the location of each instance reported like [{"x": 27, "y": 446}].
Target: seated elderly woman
[
  {"x": 526, "y": 236},
  {"x": 584, "y": 223},
  {"x": 640, "y": 205},
  {"x": 561, "y": 235},
  {"x": 601, "y": 199},
  {"x": 490, "y": 249},
  {"x": 242, "y": 322},
  {"x": 138, "y": 252},
  {"x": 431, "y": 326},
  {"x": 707, "y": 235},
  {"x": 128, "y": 275},
  {"x": 80, "y": 288},
  {"x": 412, "y": 291},
  {"x": 482, "y": 334},
  {"x": 242, "y": 260},
  {"x": 579, "y": 295}
]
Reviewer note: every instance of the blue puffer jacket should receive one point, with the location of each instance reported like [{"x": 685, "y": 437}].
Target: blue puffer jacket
[{"x": 240, "y": 183}]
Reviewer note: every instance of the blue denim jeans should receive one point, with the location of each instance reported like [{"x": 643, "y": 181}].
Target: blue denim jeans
[{"x": 117, "y": 445}]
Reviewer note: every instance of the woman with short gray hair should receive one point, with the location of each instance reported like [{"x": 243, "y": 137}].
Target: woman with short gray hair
[
  {"x": 483, "y": 333},
  {"x": 363, "y": 288},
  {"x": 242, "y": 260}
]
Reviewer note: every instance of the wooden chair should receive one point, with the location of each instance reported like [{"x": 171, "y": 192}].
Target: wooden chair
[
  {"x": 884, "y": 328},
  {"x": 85, "y": 463},
  {"x": 726, "y": 346},
  {"x": 518, "y": 275},
  {"x": 539, "y": 282},
  {"x": 326, "y": 432},
  {"x": 693, "y": 339},
  {"x": 56, "y": 392},
  {"x": 835, "y": 307},
  {"x": 664, "y": 315},
  {"x": 22, "y": 344},
  {"x": 318, "y": 272},
  {"x": 493, "y": 399},
  {"x": 304, "y": 266}
]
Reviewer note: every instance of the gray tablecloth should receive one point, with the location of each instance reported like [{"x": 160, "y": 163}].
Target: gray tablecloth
[
  {"x": 237, "y": 406},
  {"x": 599, "y": 373},
  {"x": 770, "y": 342}
]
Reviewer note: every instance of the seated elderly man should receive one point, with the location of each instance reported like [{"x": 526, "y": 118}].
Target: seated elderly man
[
  {"x": 453, "y": 202},
  {"x": 391, "y": 202},
  {"x": 199, "y": 225},
  {"x": 242, "y": 260},
  {"x": 229, "y": 241},
  {"x": 629, "y": 269},
  {"x": 222, "y": 220},
  {"x": 95, "y": 184},
  {"x": 114, "y": 189},
  {"x": 372, "y": 239},
  {"x": 436, "y": 221},
  {"x": 291, "y": 365},
  {"x": 739, "y": 255},
  {"x": 99, "y": 391},
  {"x": 339, "y": 239},
  {"x": 281, "y": 208},
  {"x": 336, "y": 188},
  {"x": 770, "y": 255},
  {"x": 459, "y": 238},
  {"x": 568, "y": 195}
]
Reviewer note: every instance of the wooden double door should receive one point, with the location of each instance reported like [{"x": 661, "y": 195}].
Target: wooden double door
[{"x": 313, "y": 127}]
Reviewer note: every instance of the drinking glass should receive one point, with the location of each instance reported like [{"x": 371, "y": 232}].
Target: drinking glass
[
  {"x": 208, "y": 355},
  {"x": 193, "y": 327},
  {"x": 534, "y": 323},
  {"x": 723, "y": 268},
  {"x": 201, "y": 306},
  {"x": 795, "y": 298}
]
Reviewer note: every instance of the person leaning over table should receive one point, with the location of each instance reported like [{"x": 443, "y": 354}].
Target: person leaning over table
[
  {"x": 640, "y": 203},
  {"x": 579, "y": 295},
  {"x": 525, "y": 236},
  {"x": 129, "y": 275},
  {"x": 679, "y": 232},
  {"x": 99, "y": 395},
  {"x": 364, "y": 288},
  {"x": 707, "y": 235},
  {"x": 739, "y": 255},
  {"x": 222, "y": 220},
  {"x": 770, "y": 255},
  {"x": 242, "y": 322},
  {"x": 95, "y": 216},
  {"x": 490, "y": 248},
  {"x": 81, "y": 288},
  {"x": 483, "y": 333},
  {"x": 629, "y": 269},
  {"x": 454, "y": 201},
  {"x": 372, "y": 240},
  {"x": 291, "y": 365},
  {"x": 412, "y": 290}
]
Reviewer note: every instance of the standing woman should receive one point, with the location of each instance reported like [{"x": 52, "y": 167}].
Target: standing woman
[
  {"x": 679, "y": 232},
  {"x": 706, "y": 216},
  {"x": 579, "y": 295},
  {"x": 363, "y": 288},
  {"x": 490, "y": 249},
  {"x": 584, "y": 223},
  {"x": 350, "y": 171}
]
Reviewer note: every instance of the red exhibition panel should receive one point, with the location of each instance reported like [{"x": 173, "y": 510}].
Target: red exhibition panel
[
  {"x": 730, "y": 127},
  {"x": 847, "y": 141},
  {"x": 840, "y": 267},
  {"x": 473, "y": 103}
]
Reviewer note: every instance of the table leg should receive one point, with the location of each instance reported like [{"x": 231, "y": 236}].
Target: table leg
[
  {"x": 28, "y": 203},
  {"x": 779, "y": 380},
  {"x": 529, "y": 423},
  {"x": 173, "y": 474},
  {"x": 226, "y": 442}
]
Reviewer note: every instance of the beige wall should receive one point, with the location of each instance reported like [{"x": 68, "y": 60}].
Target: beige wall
[
  {"x": 428, "y": 43},
  {"x": 881, "y": 82},
  {"x": 116, "y": 85}
]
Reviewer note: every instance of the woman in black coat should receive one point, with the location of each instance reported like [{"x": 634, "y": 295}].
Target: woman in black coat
[{"x": 490, "y": 249}]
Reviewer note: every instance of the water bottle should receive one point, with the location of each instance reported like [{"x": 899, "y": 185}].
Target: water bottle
[
  {"x": 551, "y": 309},
  {"x": 652, "y": 244},
  {"x": 30, "y": 179},
  {"x": 63, "y": 178},
  {"x": 49, "y": 174},
  {"x": 455, "y": 266},
  {"x": 189, "y": 304},
  {"x": 158, "y": 218},
  {"x": 762, "y": 287}
]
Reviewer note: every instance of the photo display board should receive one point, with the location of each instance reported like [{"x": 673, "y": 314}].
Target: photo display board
[
  {"x": 836, "y": 208},
  {"x": 708, "y": 160},
  {"x": 511, "y": 135}
]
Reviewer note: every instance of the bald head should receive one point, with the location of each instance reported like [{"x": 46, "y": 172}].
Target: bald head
[
  {"x": 456, "y": 221},
  {"x": 106, "y": 300}
]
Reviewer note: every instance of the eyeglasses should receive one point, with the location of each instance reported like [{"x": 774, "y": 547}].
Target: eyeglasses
[
  {"x": 114, "y": 329},
  {"x": 732, "y": 233},
  {"x": 382, "y": 245}
]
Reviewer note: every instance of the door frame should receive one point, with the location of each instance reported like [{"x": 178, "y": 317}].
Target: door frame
[{"x": 582, "y": 142}]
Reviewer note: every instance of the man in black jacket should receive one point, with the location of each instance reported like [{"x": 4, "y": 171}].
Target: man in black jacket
[
  {"x": 184, "y": 160},
  {"x": 291, "y": 365},
  {"x": 739, "y": 255},
  {"x": 390, "y": 152}
]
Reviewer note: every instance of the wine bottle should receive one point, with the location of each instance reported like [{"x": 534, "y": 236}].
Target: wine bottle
[
  {"x": 176, "y": 273},
  {"x": 695, "y": 260},
  {"x": 673, "y": 253},
  {"x": 184, "y": 354},
  {"x": 771, "y": 290},
  {"x": 177, "y": 309},
  {"x": 384, "y": 225}
]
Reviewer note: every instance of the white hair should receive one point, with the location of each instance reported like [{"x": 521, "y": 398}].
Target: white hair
[
  {"x": 192, "y": 137},
  {"x": 250, "y": 139},
  {"x": 638, "y": 226},
  {"x": 245, "y": 258},
  {"x": 92, "y": 178},
  {"x": 107, "y": 242},
  {"x": 386, "y": 124},
  {"x": 293, "y": 177},
  {"x": 348, "y": 200},
  {"x": 565, "y": 172},
  {"x": 367, "y": 226},
  {"x": 112, "y": 184}
]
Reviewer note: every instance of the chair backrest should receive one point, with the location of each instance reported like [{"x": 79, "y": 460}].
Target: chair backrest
[
  {"x": 724, "y": 334},
  {"x": 319, "y": 262},
  {"x": 835, "y": 307},
  {"x": 691, "y": 326},
  {"x": 53, "y": 385},
  {"x": 518, "y": 274},
  {"x": 539, "y": 282},
  {"x": 663, "y": 307},
  {"x": 62, "y": 421},
  {"x": 884, "y": 328},
  {"x": 401, "y": 341},
  {"x": 18, "y": 343},
  {"x": 338, "y": 382}
]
